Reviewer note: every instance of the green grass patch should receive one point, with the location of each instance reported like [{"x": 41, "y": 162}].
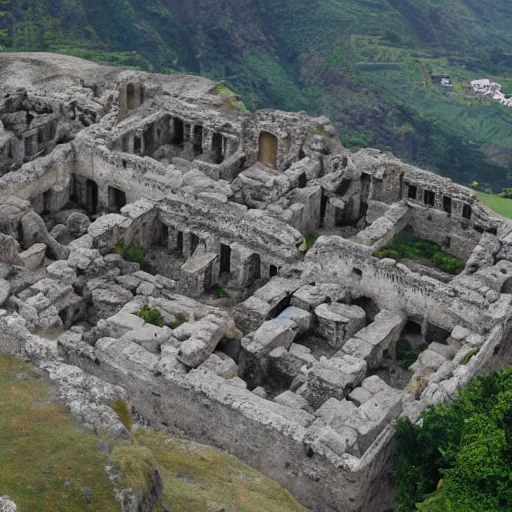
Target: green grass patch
[
  {"x": 179, "y": 319},
  {"x": 46, "y": 457},
  {"x": 408, "y": 246},
  {"x": 498, "y": 204},
  {"x": 221, "y": 291},
  {"x": 232, "y": 100},
  {"x": 198, "y": 477},
  {"x": 465, "y": 360},
  {"x": 309, "y": 240},
  {"x": 135, "y": 255},
  {"x": 123, "y": 411},
  {"x": 151, "y": 316}
]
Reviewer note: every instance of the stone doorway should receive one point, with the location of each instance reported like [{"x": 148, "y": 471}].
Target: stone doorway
[
  {"x": 91, "y": 196},
  {"x": 268, "y": 150},
  {"x": 116, "y": 198}
]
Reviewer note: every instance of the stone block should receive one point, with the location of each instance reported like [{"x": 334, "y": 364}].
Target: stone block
[
  {"x": 284, "y": 365},
  {"x": 334, "y": 409},
  {"x": 443, "y": 350},
  {"x": 384, "y": 331},
  {"x": 5, "y": 290},
  {"x": 253, "y": 359},
  {"x": 149, "y": 337},
  {"x": 356, "y": 347},
  {"x": 33, "y": 257},
  {"x": 374, "y": 384},
  {"x": 334, "y": 377},
  {"x": 302, "y": 318},
  {"x": 360, "y": 396},
  {"x": 309, "y": 296},
  {"x": 374, "y": 415},
  {"x": 120, "y": 323},
  {"x": 338, "y": 322},
  {"x": 221, "y": 365},
  {"x": 62, "y": 271},
  {"x": 428, "y": 360},
  {"x": 200, "y": 339},
  {"x": 290, "y": 399}
]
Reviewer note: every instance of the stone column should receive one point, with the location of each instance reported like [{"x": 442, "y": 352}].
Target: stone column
[{"x": 207, "y": 141}]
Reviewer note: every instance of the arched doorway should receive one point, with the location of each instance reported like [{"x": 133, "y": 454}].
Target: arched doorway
[
  {"x": 133, "y": 96},
  {"x": 268, "y": 149}
]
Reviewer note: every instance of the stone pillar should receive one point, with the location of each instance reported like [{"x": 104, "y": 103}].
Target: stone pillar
[
  {"x": 131, "y": 143},
  {"x": 207, "y": 141}
]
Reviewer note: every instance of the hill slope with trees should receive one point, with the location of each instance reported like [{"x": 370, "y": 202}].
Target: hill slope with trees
[{"x": 373, "y": 66}]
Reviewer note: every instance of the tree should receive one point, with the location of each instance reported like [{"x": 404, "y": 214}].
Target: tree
[{"x": 459, "y": 459}]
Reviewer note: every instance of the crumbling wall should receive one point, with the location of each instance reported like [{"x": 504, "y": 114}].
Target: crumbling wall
[{"x": 393, "y": 286}]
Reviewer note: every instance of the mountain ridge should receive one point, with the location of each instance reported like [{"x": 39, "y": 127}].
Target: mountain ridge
[{"x": 367, "y": 65}]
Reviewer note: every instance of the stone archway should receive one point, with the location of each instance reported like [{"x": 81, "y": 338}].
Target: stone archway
[{"x": 268, "y": 149}]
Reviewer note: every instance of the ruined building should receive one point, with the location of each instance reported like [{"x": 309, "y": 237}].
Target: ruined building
[{"x": 277, "y": 349}]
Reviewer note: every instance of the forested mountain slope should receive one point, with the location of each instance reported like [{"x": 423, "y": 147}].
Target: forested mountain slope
[{"x": 366, "y": 64}]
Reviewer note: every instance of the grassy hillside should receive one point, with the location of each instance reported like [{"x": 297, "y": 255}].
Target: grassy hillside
[
  {"x": 50, "y": 463},
  {"x": 500, "y": 205},
  {"x": 366, "y": 64}
]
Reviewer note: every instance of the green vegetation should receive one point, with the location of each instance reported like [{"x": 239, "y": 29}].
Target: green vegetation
[
  {"x": 231, "y": 100},
  {"x": 499, "y": 204},
  {"x": 459, "y": 458},
  {"x": 309, "y": 240},
  {"x": 372, "y": 67},
  {"x": 52, "y": 464},
  {"x": 179, "y": 319},
  {"x": 198, "y": 477},
  {"x": 506, "y": 193},
  {"x": 407, "y": 246},
  {"x": 407, "y": 355},
  {"x": 221, "y": 291},
  {"x": 465, "y": 360},
  {"x": 136, "y": 256},
  {"x": 123, "y": 411},
  {"x": 151, "y": 316},
  {"x": 137, "y": 464},
  {"x": 47, "y": 458}
]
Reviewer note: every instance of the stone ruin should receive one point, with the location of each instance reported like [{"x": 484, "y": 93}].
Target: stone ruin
[{"x": 280, "y": 352}]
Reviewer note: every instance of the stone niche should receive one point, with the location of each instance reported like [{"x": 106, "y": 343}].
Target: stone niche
[
  {"x": 268, "y": 149},
  {"x": 131, "y": 96}
]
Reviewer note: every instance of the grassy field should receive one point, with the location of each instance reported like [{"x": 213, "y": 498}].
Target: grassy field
[
  {"x": 498, "y": 204},
  {"x": 201, "y": 478},
  {"x": 49, "y": 462}
]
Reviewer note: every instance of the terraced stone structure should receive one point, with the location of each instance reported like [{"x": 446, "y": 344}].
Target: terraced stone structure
[{"x": 285, "y": 352}]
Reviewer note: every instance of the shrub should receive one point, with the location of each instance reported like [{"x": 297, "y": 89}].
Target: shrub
[
  {"x": 221, "y": 292},
  {"x": 151, "y": 316},
  {"x": 137, "y": 464},
  {"x": 179, "y": 319},
  {"x": 309, "y": 240},
  {"x": 406, "y": 355},
  {"x": 407, "y": 246},
  {"x": 506, "y": 193},
  {"x": 447, "y": 263},
  {"x": 136, "y": 256},
  {"x": 459, "y": 457}
]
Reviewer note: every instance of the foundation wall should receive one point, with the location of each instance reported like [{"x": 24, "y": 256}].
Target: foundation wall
[
  {"x": 393, "y": 286},
  {"x": 207, "y": 409}
]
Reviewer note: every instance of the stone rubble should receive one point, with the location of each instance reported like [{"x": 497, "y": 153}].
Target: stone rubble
[{"x": 280, "y": 337}]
